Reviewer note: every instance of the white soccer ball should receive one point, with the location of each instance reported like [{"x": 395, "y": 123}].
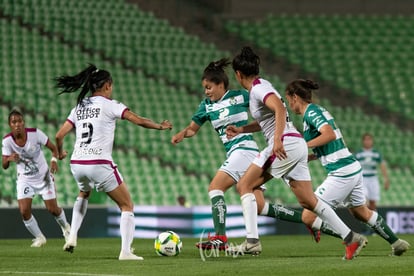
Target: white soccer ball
[{"x": 168, "y": 243}]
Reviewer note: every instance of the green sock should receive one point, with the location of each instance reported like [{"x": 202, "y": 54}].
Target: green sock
[
  {"x": 284, "y": 213},
  {"x": 326, "y": 229},
  {"x": 219, "y": 210},
  {"x": 382, "y": 229}
]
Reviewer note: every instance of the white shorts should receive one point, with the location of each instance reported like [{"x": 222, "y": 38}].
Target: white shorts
[
  {"x": 336, "y": 191},
  {"x": 294, "y": 167},
  {"x": 102, "y": 177},
  {"x": 237, "y": 163},
  {"x": 371, "y": 187},
  {"x": 47, "y": 189}
]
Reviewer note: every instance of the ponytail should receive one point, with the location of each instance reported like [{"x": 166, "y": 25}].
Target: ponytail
[
  {"x": 247, "y": 62},
  {"x": 302, "y": 88},
  {"x": 89, "y": 79},
  {"x": 215, "y": 73}
]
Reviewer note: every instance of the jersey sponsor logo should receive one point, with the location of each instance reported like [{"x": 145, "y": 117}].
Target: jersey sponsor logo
[{"x": 88, "y": 113}]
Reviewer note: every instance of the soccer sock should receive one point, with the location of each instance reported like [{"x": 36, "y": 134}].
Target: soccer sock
[
  {"x": 219, "y": 210},
  {"x": 33, "y": 227},
  {"x": 249, "y": 205},
  {"x": 377, "y": 223},
  {"x": 61, "y": 219},
  {"x": 318, "y": 224},
  {"x": 326, "y": 213},
  {"x": 79, "y": 210},
  {"x": 281, "y": 212},
  {"x": 127, "y": 229}
]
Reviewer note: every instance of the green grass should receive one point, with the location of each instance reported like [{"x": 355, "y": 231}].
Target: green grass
[{"x": 282, "y": 255}]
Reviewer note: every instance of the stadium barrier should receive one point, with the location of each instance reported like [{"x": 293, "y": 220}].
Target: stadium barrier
[{"x": 188, "y": 222}]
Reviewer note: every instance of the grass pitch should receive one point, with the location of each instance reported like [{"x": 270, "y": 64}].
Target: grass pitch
[{"x": 282, "y": 255}]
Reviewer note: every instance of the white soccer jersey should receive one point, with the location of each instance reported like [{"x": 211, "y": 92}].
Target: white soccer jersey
[
  {"x": 94, "y": 120},
  {"x": 32, "y": 167},
  {"x": 261, "y": 89}
]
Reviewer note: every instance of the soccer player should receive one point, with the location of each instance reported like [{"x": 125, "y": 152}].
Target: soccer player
[
  {"x": 343, "y": 184},
  {"x": 370, "y": 159},
  {"x": 23, "y": 146},
  {"x": 221, "y": 108},
  {"x": 284, "y": 157},
  {"x": 91, "y": 163}
]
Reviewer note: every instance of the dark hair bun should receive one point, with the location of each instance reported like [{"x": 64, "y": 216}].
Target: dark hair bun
[{"x": 311, "y": 84}]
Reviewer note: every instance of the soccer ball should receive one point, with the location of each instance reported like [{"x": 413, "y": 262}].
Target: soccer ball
[{"x": 168, "y": 243}]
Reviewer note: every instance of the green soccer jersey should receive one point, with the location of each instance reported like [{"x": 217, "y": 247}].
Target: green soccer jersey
[
  {"x": 369, "y": 159},
  {"x": 231, "y": 109},
  {"x": 334, "y": 156}
]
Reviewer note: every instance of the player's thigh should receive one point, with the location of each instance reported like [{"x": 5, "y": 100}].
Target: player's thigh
[
  {"x": 25, "y": 207},
  {"x": 221, "y": 181},
  {"x": 122, "y": 197}
]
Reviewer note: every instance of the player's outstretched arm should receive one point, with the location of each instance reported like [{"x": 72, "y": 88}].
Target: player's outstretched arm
[
  {"x": 187, "y": 132},
  {"x": 145, "y": 122}
]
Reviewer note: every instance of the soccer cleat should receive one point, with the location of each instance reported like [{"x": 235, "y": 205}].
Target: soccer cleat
[
  {"x": 129, "y": 256},
  {"x": 39, "y": 241},
  {"x": 316, "y": 234},
  {"x": 66, "y": 232},
  {"x": 399, "y": 247},
  {"x": 353, "y": 248},
  {"x": 214, "y": 242},
  {"x": 70, "y": 245},
  {"x": 246, "y": 248}
]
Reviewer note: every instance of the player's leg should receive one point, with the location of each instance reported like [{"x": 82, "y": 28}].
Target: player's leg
[
  {"x": 123, "y": 199},
  {"x": 25, "y": 194},
  {"x": 221, "y": 182},
  {"x": 372, "y": 218},
  {"x": 49, "y": 198},
  {"x": 253, "y": 178},
  {"x": 81, "y": 203},
  {"x": 30, "y": 222}
]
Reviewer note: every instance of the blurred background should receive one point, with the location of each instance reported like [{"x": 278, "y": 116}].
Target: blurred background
[{"x": 360, "y": 52}]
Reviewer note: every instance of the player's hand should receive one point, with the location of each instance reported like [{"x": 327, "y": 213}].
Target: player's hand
[
  {"x": 166, "y": 125},
  {"x": 62, "y": 155},
  {"x": 54, "y": 167},
  {"x": 177, "y": 138},
  {"x": 279, "y": 150},
  {"x": 312, "y": 157},
  {"x": 232, "y": 131},
  {"x": 14, "y": 157}
]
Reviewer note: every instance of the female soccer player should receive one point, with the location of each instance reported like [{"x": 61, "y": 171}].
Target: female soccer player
[
  {"x": 221, "y": 108},
  {"x": 24, "y": 147},
  {"x": 91, "y": 163},
  {"x": 284, "y": 157},
  {"x": 370, "y": 159},
  {"x": 344, "y": 181}
]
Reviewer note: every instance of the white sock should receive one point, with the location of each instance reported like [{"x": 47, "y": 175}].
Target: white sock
[
  {"x": 265, "y": 209},
  {"x": 326, "y": 213},
  {"x": 127, "y": 229},
  {"x": 79, "y": 210},
  {"x": 317, "y": 224},
  {"x": 214, "y": 193},
  {"x": 373, "y": 219},
  {"x": 249, "y": 205},
  {"x": 61, "y": 219},
  {"x": 33, "y": 227}
]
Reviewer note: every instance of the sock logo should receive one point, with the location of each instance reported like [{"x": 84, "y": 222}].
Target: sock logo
[{"x": 221, "y": 208}]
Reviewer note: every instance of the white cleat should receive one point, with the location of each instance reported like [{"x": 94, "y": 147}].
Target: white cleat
[
  {"x": 39, "y": 241},
  {"x": 70, "y": 245},
  {"x": 246, "y": 248},
  {"x": 128, "y": 256},
  {"x": 399, "y": 247}
]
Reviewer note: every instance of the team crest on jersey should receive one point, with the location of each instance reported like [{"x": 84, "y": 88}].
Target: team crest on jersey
[{"x": 233, "y": 101}]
